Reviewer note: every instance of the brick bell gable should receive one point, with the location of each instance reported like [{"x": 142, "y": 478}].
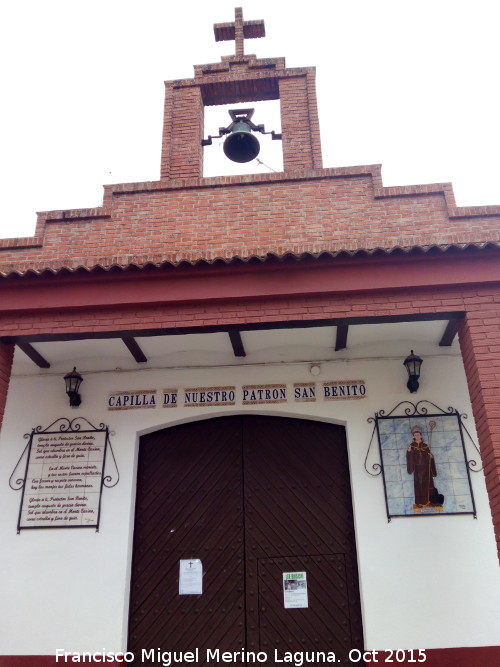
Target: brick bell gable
[{"x": 184, "y": 217}]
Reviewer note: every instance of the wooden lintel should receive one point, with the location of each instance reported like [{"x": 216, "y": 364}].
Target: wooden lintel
[
  {"x": 341, "y": 341},
  {"x": 35, "y": 356},
  {"x": 134, "y": 349},
  {"x": 449, "y": 333},
  {"x": 237, "y": 343}
]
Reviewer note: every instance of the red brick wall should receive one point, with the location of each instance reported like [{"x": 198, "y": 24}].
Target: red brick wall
[
  {"x": 6, "y": 358},
  {"x": 480, "y": 344},
  {"x": 226, "y": 312},
  {"x": 182, "y": 152},
  {"x": 300, "y": 123}
]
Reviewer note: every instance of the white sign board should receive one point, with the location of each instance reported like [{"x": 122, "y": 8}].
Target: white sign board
[
  {"x": 63, "y": 480},
  {"x": 295, "y": 590},
  {"x": 190, "y": 577}
]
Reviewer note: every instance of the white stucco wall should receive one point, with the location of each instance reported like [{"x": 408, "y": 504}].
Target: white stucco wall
[{"x": 425, "y": 582}]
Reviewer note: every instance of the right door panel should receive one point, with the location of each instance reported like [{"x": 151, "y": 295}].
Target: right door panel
[{"x": 298, "y": 518}]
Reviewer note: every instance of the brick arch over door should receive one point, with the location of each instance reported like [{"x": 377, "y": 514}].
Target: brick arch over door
[{"x": 252, "y": 497}]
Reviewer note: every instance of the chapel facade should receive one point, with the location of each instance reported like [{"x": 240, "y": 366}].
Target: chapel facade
[{"x": 247, "y": 469}]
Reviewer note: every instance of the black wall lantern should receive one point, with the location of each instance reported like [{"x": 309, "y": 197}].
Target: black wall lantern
[
  {"x": 412, "y": 364},
  {"x": 73, "y": 381}
]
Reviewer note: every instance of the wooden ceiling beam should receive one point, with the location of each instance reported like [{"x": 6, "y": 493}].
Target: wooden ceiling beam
[
  {"x": 449, "y": 333},
  {"x": 341, "y": 341},
  {"x": 134, "y": 349},
  {"x": 33, "y": 354},
  {"x": 237, "y": 343}
]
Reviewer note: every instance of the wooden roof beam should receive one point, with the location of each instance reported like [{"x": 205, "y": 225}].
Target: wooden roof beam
[
  {"x": 33, "y": 354},
  {"x": 449, "y": 333},
  {"x": 341, "y": 341},
  {"x": 134, "y": 349},
  {"x": 237, "y": 343}
]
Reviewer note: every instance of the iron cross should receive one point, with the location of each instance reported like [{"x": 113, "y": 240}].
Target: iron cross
[{"x": 239, "y": 31}]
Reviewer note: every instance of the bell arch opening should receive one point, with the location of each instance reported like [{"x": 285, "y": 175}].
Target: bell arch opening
[{"x": 270, "y": 153}]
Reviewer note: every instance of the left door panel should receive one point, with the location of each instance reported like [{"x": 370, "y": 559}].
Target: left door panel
[{"x": 189, "y": 505}]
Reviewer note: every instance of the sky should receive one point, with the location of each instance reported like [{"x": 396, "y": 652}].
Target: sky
[{"x": 409, "y": 85}]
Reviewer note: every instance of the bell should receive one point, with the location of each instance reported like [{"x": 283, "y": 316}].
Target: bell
[{"x": 241, "y": 145}]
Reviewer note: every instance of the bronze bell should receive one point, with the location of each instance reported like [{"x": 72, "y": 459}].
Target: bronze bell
[{"x": 241, "y": 145}]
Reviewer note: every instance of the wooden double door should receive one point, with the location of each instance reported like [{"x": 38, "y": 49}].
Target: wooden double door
[{"x": 253, "y": 497}]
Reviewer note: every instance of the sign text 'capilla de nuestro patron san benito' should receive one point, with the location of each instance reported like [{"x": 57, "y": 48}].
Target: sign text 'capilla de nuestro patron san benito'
[{"x": 249, "y": 394}]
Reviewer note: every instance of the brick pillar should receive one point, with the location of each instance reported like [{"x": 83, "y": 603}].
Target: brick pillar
[
  {"x": 300, "y": 123},
  {"x": 481, "y": 356},
  {"x": 183, "y": 125},
  {"x": 6, "y": 358}
]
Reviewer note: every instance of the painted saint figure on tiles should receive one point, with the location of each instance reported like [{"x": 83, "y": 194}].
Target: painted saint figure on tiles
[{"x": 421, "y": 464}]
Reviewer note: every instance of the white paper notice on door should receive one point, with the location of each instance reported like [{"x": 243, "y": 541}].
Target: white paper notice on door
[
  {"x": 295, "y": 590},
  {"x": 190, "y": 577}
]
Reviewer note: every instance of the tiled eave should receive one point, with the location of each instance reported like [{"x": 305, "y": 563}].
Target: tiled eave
[{"x": 113, "y": 264}]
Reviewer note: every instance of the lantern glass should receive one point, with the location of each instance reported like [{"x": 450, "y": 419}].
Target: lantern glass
[
  {"x": 412, "y": 364},
  {"x": 73, "y": 381}
]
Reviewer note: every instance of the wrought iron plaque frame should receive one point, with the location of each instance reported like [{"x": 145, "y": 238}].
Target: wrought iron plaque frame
[
  {"x": 427, "y": 475},
  {"x": 65, "y": 470}
]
